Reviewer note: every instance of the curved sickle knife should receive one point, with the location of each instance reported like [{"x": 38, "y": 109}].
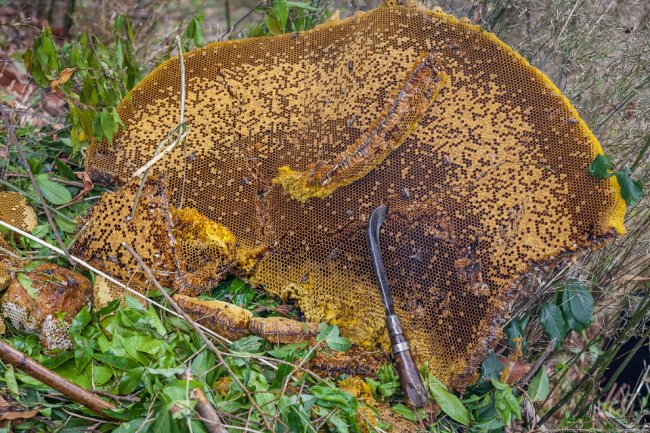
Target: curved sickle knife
[{"x": 409, "y": 375}]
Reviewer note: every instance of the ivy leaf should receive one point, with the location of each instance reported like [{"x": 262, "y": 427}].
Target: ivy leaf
[
  {"x": 539, "y": 386},
  {"x": 580, "y": 301},
  {"x": 26, "y": 282},
  {"x": 601, "y": 167},
  {"x": 631, "y": 190},
  {"x": 550, "y": 317},
  {"x": 53, "y": 192}
]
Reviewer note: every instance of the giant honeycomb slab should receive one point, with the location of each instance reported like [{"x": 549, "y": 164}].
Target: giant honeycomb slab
[{"x": 488, "y": 183}]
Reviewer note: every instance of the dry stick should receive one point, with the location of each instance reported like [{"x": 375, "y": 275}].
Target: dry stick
[
  {"x": 50, "y": 378},
  {"x": 198, "y": 329},
  {"x": 538, "y": 364},
  {"x": 182, "y": 119},
  {"x": 208, "y": 414},
  {"x": 12, "y": 138},
  {"x": 157, "y": 155}
]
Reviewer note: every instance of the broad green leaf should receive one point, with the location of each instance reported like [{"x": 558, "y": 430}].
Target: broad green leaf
[
  {"x": 550, "y": 317},
  {"x": 539, "y": 386},
  {"x": 491, "y": 367},
  {"x": 335, "y": 397},
  {"x": 10, "y": 381},
  {"x": 338, "y": 343},
  {"x": 580, "y": 301},
  {"x": 53, "y": 192},
  {"x": 26, "y": 283},
  {"x": 601, "y": 167},
  {"x": 631, "y": 190},
  {"x": 449, "y": 403},
  {"x": 405, "y": 411},
  {"x": 35, "y": 165},
  {"x": 108, "y": 124},
  {"x": 326, "y": 331},
  {"x": 272, "y": 25},
  {"x": 281, "y": 13}
]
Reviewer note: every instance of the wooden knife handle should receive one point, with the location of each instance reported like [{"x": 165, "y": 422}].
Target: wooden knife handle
[{"x": 412, "y": 386}]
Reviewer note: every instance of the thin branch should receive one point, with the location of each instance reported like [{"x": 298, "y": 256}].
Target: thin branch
[
  {"x": 74, "y": 392},
  {"x": 13, "y": 140},
  {"x": 539, "y": 363},
  {"x": 207, "y": 413},
  {"x": 182, "y": 118},
  {"x": 198, "y": 330}
]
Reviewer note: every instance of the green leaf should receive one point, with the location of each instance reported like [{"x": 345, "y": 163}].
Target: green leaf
[
  {"x": 35, "y": 165},
  {"x": 491, "y": 367},
  {"x": 10, "y": 381},
  {"x": 281, "y": 13},
  {"x": 272, "y": 25},
  {"x": 335, "y": 397},
  {"x": 449, "y": 403},
  {"x": 108, "y": 124},
  {"x": 64, "y": 169},
  {"x": 550, "y": 317},
  {"x": 340, "y": 344},
  {"x": 601, "y": 167},
  {"x": 631, "y": 190},
  {"x": 405, "y": 411},
  {"x": 53, "y": 192},
  {"x": 580, "y": 301},
  {"x": 26, "y": 282},
  {"x": 539, "y": 386},
  {"x": 302, "y": 5},
  {"x": 326, "y": 331}
]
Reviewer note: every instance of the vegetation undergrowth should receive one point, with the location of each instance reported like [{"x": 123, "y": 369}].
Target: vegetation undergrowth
[{"x": 131, "y": 354}]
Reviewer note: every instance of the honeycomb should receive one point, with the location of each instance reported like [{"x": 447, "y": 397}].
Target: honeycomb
[
  {"x": 484, "y": 173},
  {"x": 15, "y": 211}
]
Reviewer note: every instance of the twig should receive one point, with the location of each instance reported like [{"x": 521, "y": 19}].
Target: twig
[
  {"x": 208, "y": 414},
  {"x": 198, "y": 330},
  {"x": 50, "y": 378},
  {"x": 182, "y": 118},
  {"x": 142, "y": 171},
  {"x": 538, "y": 364},
  {"x": 12, "y": 138}
]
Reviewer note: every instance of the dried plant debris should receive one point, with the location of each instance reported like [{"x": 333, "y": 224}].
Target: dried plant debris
[
  {"x": 491, "y": 184},
  {"x": 44, "y": 301}
]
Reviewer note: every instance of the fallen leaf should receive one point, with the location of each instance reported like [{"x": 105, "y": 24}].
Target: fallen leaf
[
  {"x": 88, "y": 185},
  {"x": 66, "y": 74},
  {"x": 513, "y": 371},
  {"x": 19, "y": 415}
]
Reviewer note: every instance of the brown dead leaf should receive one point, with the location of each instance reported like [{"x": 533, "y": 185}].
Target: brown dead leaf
[
  {"x": 66, "y": 74},
  {"x": 18, "y": 415},
  {"x": 88, "y": 185},
  {"x": 513, "y": 371}
]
